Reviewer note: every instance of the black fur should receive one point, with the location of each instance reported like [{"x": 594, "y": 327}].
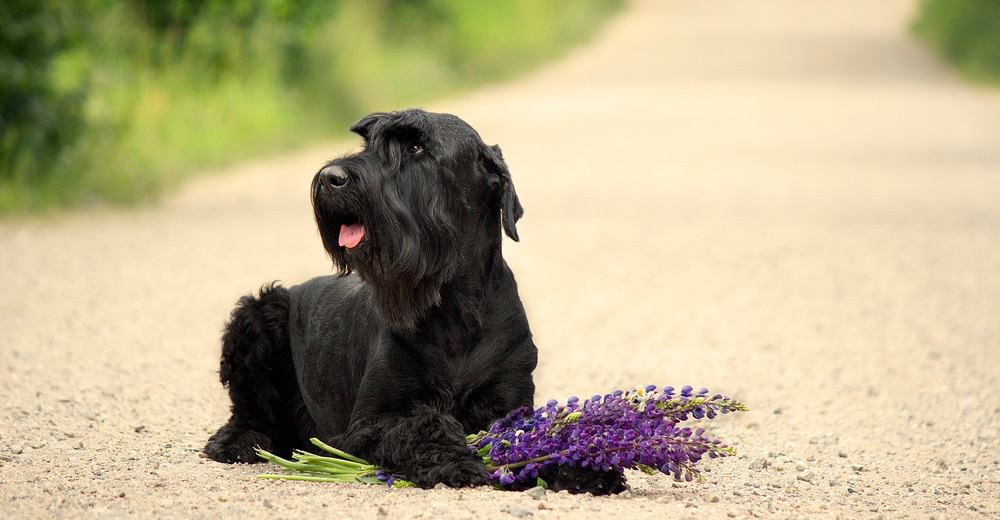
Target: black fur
[{"x": 420, "y": 337}]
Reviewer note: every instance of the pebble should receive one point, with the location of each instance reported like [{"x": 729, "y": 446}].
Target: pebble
[
  {"x": 806, "y": 476},
  {"x": 857, "y": 468},
  {"x": 713, "y": 499},
  {"x": 16, "y": 449},
  {"x": 537, "y": 492},
  {"x": 141, "y": 428},
  {"x": 759, "y": 464},
  {"x": 517, "y": 511},
  {"x": 441, "y": 485},
  {"x": 842, "y": 454},
  {"x": 799, "y": 466},
  {"x": 78, "y": 446}
]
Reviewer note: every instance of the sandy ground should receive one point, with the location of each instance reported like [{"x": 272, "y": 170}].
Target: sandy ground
[{"x": 791, "y": 202}]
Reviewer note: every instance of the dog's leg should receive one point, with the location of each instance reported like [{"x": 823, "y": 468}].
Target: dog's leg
[
  {"x": 257, "y": 368},
  {"x": 426, "y": 446}
]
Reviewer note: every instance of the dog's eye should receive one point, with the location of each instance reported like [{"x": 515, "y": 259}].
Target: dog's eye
[{"x": 414, "y": 149}]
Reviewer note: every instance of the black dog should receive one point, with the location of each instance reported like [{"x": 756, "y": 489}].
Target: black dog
[{"x": 421, "y": 337}]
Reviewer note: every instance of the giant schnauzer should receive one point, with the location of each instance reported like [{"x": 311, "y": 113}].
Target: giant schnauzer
[{"x": 421, "y": 336}]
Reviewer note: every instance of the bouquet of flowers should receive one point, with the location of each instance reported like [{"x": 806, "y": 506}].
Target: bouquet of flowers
[{"x": 638, "y": 429}]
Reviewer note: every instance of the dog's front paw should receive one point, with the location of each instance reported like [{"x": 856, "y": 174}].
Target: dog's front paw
[
  {"x": 231, "y": 445},
  {"x": 456, "y": 474},
  {"x": 583, "y": 480}
]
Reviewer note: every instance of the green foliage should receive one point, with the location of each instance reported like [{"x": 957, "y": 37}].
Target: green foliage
[
  {"x": 967, "y": 32},
  {"x": 118, "y": 100}
]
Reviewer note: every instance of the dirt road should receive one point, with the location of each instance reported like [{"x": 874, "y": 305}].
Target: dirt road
[{"x": 791, "y": 202}]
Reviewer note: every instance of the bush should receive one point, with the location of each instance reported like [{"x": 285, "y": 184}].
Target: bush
[
  {"x": 967, "y": 32},
  {"x": 116, "y": 101}
]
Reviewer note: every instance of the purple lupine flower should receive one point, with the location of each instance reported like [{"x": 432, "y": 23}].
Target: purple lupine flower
[{"x": 621, "y": 430}]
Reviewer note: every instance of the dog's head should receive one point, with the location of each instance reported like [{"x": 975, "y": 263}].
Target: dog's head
[{"x": 420, "y": 204}]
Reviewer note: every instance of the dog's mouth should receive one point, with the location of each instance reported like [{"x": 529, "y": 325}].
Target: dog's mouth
[{"x": 351, "y": 235}]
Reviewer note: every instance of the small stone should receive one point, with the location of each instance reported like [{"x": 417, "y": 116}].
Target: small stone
[
  {"x": 834, "y": 483},
  {"x": 542, "y": 506},
  {"x": 269, "y": 505},
  {"x": 799, "y": 466},
  {"x": 382, "y": 511},
  {"x": 519, "y": 512},
  {"x": 778, "y": 411},
  {"x": 121, "y": 494},
  {"x": 537, "y": 492},
  {"x": 713, "y": 498},
  {"x": 806, "y": 476},
  {"x": 731, "y": 514},
  {"x": 842, "y": 454},
  {"x": 759, "y": 464},
  {"x": 16, "y": 449},
  {"x": 78, "y": 446},
  {"x": 141, "y": 428},
  {"x": 223, "y": 498},
  {"x": 851, "y": 490},
  {"x": 857, "y": 468},
  {"x": 441, "y": 485},
  {"x": 37, "y": 444}
]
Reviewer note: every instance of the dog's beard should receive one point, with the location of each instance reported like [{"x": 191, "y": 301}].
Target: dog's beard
[
  {"x": 404, "y": 256},
  {"x": 340, "y": 226}
]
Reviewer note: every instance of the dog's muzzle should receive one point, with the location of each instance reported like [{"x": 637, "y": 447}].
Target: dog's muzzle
[
  {"x": 351, "y": 233},
  {"x": 333, "y": 177}
]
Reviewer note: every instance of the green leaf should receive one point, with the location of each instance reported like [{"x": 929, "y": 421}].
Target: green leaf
[
  {"x": 541, "y": 483},
  {"x": 649, "y": 470}
]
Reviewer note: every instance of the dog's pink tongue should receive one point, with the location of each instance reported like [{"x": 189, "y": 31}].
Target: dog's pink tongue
[{"x": 351, "y": 235}]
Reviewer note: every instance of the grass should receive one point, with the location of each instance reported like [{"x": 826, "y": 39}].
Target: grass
[{"x": 966, "y": 32}]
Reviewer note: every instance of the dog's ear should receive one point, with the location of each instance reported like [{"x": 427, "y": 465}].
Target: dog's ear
[
  {"x": 364, "y": 126},
  {"x": 510, "y": 207}
]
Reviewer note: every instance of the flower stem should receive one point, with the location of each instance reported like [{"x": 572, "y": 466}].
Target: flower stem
[
  {"x": 309, "y": 478},
  {"x": 342, "y": 454}
]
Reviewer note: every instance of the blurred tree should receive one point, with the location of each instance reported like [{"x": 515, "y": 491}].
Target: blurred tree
[
  {"x": 37, "y": 119},
  {"x": 117, "y": 99}
]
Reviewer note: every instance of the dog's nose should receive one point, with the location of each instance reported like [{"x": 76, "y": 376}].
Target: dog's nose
[{"x": 334, "y": 176}]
